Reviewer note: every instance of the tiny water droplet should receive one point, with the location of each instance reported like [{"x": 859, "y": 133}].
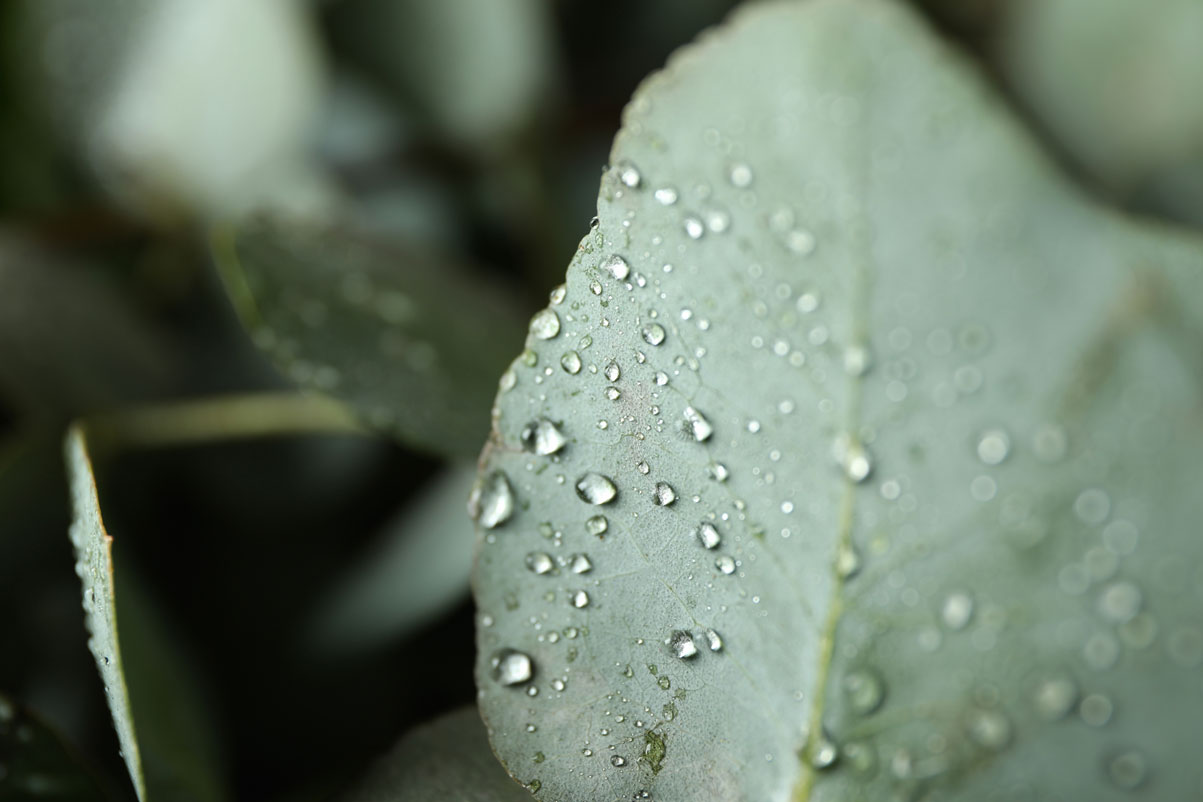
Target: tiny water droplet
[
  {"x": 596, "y": 489},
  {"x": 653, "y": 334},
  {"x": 714, "y": 640},
  {"x": 663, "y": 495},
  {"x": 990, "y": 729},
  {"x": 1095, "y": 709},
  {"x": 571, "y": 362},
  {"x": 718, "y": 471},
  {"x": 542, "y": 437},
  {"x": 539, "y": 562},
  {"x": 511, "y": 667},
  {"x": 707, "y": 534},
  {"x": 699, "y": 427},
  {"x": 545, "y": 324},
  {"x": 612, "y": 393},
  {"x": 617, "y": 267},
  {"x": 824, "y": 753},
  {"x": 693, "y": 227},
  {"x": 725, "y": 564},
  {"x": 597, "y": 525},
  {"x": 618, "y": 761},
  {"x": 681, "y": 644},
  {"x": 580, "y": 563},
  {"x": 993, "y": 446},
  {"x": 1120, "y": 602},
  {"x": 580, "y": 599},
  {"x": 800, "y": 241},
  {"x": 643, "y": 467},
  {"x": 612, "y": 372},
  {"x": 856, "y": 360},
  {"x": 957, "y": 610},
  {"x": 847, "y": 561},
  {"x": 740, "y": 175},
  {"x": 1054, "y": 697},
  {"x": 628, "y": 174},
  {"x": 665, "y": 196},
  {"x": 1128, "y": 769},
  {"x": 492, "y": 501},
  {"x": 852, "y": 457},
  {"x": 1092, "y": 506}
]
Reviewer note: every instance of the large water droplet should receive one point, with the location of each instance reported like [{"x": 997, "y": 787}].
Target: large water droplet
[
  {"x": 545, "y": 324},
  {"x": 864, "y": 690},
  {"x": 571, "y": 362},
  {"x": 511, "y": 667},
  {"x": 663, "y": 495},
  {"x": 701, "y": 430},
  {"x": 580, "y": 564},
  {"x": 653, "y": 334},
  {"x": 597, "y": 525},
  {"x": 612, "y": 372},
  {"x": 542, "y": 437},
  {"x": 492, "y": 501},
  {"x": 681, "y": 644},
  {"x": 596, "y": 489},
  {"x": 580, "y": 599},
  {"x": 540, "y": 562},
  {"x": 617, "y": 267},
  {"x": 725, "y": 564},
  {"x": 707, "y": 534}
]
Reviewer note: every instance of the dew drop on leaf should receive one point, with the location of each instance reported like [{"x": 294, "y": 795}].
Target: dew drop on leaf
[
  {"x": 681, "y": 644},
  {"x": 542, "y": 437},
  {"x": 707, "y": 534},
  {"x": 511, "y": 667},
  {"x": 492, "y": 502},
  {"x": 596, "y": 489},
  {"x": 539, "y": 562},
  {"x": 545, "y": 324},
  {"x": 617, "y": 267},
  {"x": 663, "y": 495},
  {"x": 653, "y": 334}
]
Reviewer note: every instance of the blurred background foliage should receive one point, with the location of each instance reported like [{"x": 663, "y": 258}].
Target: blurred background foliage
[{"x": 314, "y": 586}]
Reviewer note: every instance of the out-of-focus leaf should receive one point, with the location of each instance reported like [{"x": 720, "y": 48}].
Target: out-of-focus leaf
[
  {"x": 1117, "y": 83},
  {"x": 214, "y": 107},
  {"x": 878, "y": 477},
  {"x": 36, "y": 765},
  {"x": 412, "y": 342},
  {"x": 69, "y": 342},
  {"x": 418, "y": 570},
  {"x": 448, "y": 759},
  {"x": 161, "y": 726},
  {"x": 482, "y": 70}
]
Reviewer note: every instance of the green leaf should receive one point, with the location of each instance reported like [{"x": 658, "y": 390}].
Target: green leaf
[
  {"x": 413, "y": 343},
  {"x": 161, "y": 723},
  {"x": 878, "y": 476},
  {"x": 35, "y": 764},
  {"x": 446, "y": 759},
  {"x": 418, "y": 570}
]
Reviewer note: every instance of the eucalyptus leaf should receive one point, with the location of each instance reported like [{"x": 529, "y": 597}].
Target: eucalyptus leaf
[
  {"x": 411, "y": 341},
  {"x": 418, "y": 570},
  {"x": 36, "y": 764},
  {"x": 446, "y": 759},
  {"x": 876, "y": 476},
  {"x": 162, "y": 727}
]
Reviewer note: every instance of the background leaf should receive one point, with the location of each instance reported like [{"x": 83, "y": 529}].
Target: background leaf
[
  {"x": 410, "y": 341},
  {"x": 873, "y": 479},
  {"x": 446, "y": 759},
  {"x": 35, "y": 764},
  {"x": 161, "y": 726}
]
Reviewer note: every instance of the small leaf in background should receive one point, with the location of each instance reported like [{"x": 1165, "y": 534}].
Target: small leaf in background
[
  {"x": 35, "y": 764},
  {"x": 410, "y": 340},
  {"x": 448, "y": 759},
  {"x": 417, "y": 570},
  {"x": 482, "y": 71},
  {"x": 161, "y": 725},
  {"x": 865, "y": 467},
  {"x": 1117, "y": 84}
]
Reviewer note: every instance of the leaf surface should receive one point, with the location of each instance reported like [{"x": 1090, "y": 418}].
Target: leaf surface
[{"x": 874, "y": 480}]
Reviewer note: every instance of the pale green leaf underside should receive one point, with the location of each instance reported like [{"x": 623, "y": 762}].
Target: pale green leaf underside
[
  {"x": 866, "y": 257},
  {"x": 94, "y": 565},
  {"x": 448, "y": 759}
]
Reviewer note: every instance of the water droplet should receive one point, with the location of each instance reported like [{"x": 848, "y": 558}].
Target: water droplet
[
  {"x": 618, "y": 761},
  {"x": 1054, "y": 697},
  {"x": 714, "y": 641},
  {"x": 597, "y": 525},
  {"x": 717, "y": 471},
  {"x": 847, "y": 561},
  {"x": 740, "y": 175},
  {"x": 1095, "y": 709},
  {"x": 852, "y": 457},
  {"x": 661, "y": 378},
  {"x": 1128, "y": 769},
  {"x": 1119, "y": 602},
  {"x": 617, "y": 267},
  {"x": 628, "y": 174},
  {"x": 707, "y": 534},
  {"x": 725, "y": 564},
  {"x": 666, "y": 196},
  {"x": 1101, "y": 651},
  {"x": 856, "y": 360},
  {"x": 643, "y": 467},
  {"x": 957, "y": 610},
  {"x": 699, "y": 427},
  {"x": 545, "y": 324},
  {"x": 800, "y": 241},
  {"x": 580, "y": 599},
  {"x": 492, "y": 501},
  {"x": 693, "y": 227},
  {"x": 993, "y": 446},
  {"x": 596, "y": 489},
  {"x": 681, "y": 644},
  {"x": 824, "y": 753},
  {"x": 1092, "y": 506},
  {"x": 539, "y": 562},
  {"x": 612, "y": 393},
  {"x": 571, "y": 362},
  {"x": 558, "y": 684},
  {"x": 511, "y": 667},
  {"x": 864, "y": 690},
  {"x": 990, "y": 729},
  {"x": 612, "y": 372},
  {"x": 653, "y": 334},
  {"x": 580, "y": 564},
  {"x": 663, "y": 495},
  {"x": 542, "y": 437}
]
